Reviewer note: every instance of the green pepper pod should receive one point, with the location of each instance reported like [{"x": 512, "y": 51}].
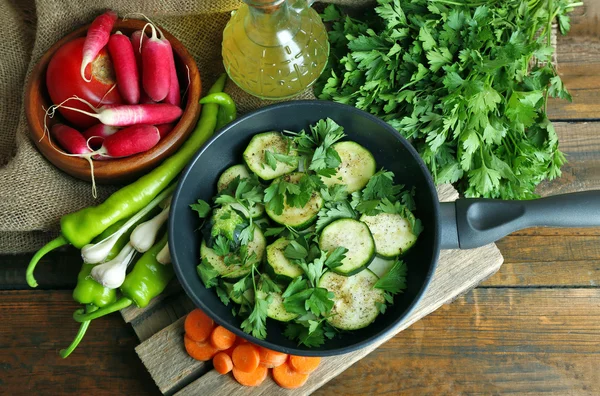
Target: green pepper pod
[
  {"x": 227, "y": 109},
  {"x": 64, "y": 353},
  {"x": 79, "y": 228},
  {"x": 148, "y": 278}
]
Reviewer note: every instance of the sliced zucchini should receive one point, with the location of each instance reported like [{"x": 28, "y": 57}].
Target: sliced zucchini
[
  {"x": 355, "y": 236},
  {"x": 355, "y": 302},
  {"x": 276, "y": 310},
  {"x": 298, "y": 218},
  {"x": 257, "y": 245},
  {"x": 357, "y": 167},
  {"x": 230, "y": 174},
  {"x": 225, "y": 221},
  {"x": 380, "y": 266},
  {"x": 227, "y": 177},
  {"x": 392, "y": 233},
  {"x": 279, "y": 267},
  {"x": 254, "y": 155}
]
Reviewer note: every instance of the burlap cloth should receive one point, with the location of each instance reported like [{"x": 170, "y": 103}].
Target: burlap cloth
[{"x": 33, "y": 193}]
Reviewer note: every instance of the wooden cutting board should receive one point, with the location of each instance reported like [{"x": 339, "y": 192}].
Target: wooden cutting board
[{"x": 160, "y": 328}]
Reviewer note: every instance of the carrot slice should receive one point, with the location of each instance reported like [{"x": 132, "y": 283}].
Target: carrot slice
[
  {"x": 202, "y": 351},
  {"x": 304, "y": 364},
  {"x": 222, "y": 363},
  {"x": 270, "y": 358},
  {"x": 287, "y": 377},
  {"x": 221, "y": 338},
  {"x": 253, "y": 378},
  {"x": 198, "y": 326},
  {"x": 245, "y": 357}
]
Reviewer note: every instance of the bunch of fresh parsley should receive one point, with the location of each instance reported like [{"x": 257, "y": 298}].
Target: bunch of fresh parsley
[{"x": 466, "y": 81}]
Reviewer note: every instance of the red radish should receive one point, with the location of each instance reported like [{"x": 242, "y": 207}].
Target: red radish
[
  {"x": 138, "y": 38},
  {"x": 70, "y": 139},
  {"x": 145, "y": 99},
  {"x": 124, "y": 115},
  {"x": 129, "y": 141},
  {"x": 121, "y": 52},
  {"x": 164, "y": 129},
  {"x": 156, "y": 75},
  {"x": 63, "y": 81},
  {"x": 96, "y": 38},
  {"x": 96, "y": 134},
  {"x": 173, "y": 96}
]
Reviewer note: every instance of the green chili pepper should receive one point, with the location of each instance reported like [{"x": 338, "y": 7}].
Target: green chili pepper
[
  {"x": 64, "y": 353},
  {"x": 227, "y": 109},
  {"x": 80, "y": 227},
  {"x": 148, "y": 272},
  {"x": 147, "y": 280}
]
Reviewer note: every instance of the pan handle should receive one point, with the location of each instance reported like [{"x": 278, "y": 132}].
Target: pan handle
[{"x": 471, "y": 223}]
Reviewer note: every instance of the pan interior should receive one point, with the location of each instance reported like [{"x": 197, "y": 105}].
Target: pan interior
[{"x": 390, "y": 151}]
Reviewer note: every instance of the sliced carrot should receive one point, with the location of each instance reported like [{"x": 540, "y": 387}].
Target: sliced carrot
[
  {"x": 202, "y": 351},
  {"x": 253, "y": 378},
  {"x": 222, "y": 363},
  {"x": 270, "y": 358},
  {"x": 221, "y": 338},
  {"x": 304, "y": 364},
  {"x": 198, "y": 326},
  {"x": 287, "y": 377},
  {"x": 245, "y": 357}
]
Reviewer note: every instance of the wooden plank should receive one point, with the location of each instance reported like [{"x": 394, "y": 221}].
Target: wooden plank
[
  {"x": 581, "y": 143},
  {"x": 550, "y": 249},
  {"x": 165, "y": 313},
  {"x": 492, "y": 341},
  {"x": 458, "y": 272},
  {"x": 578, "y": 56},
  {"x": 579, "y": 273},
  {"x": 57, "y": 270},
  {"x": 166, "y": 360},
  {"x": 35, "y": 325}
]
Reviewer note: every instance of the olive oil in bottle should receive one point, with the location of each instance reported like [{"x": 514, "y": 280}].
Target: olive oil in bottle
[{"x": 275, "y": 49}]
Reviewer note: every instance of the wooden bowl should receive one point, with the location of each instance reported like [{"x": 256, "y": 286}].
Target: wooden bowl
[{"x": 118, "y": 170}]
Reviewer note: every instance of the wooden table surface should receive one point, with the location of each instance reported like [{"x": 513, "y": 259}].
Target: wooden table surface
[{"x": 532, "y": 328}]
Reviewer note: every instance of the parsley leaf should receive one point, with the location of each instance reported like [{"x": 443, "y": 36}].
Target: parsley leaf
[
  {"x": 271, "y": 158},
  {"x": 221, "y": 246},
  {"x": 222, "y": 294},
  {"x": 395, "y": 279},
  {"x": 208, "y": 274},
  {"x": 333, "y": 211},
  {"x": 256, "y": 323},
  {"x": 334, "y": 259},
  {"x": 202, "y": 208}
]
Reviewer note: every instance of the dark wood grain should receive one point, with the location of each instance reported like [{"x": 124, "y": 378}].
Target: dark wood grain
[
  {"x": 56, "y": 270},
  {"x": 581, "y": 144},
  {"x": 35, "y": 325},
  {"x": 492, "y": 341},
  {"x": 578, "y": 56},
  {"x": 118, "y": 170}
]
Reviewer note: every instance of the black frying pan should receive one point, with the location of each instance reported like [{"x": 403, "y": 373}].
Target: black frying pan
[{"x": 468, "y": 223}]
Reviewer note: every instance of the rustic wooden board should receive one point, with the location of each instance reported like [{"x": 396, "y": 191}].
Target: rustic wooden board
[{"x": 172, "y": 369}]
